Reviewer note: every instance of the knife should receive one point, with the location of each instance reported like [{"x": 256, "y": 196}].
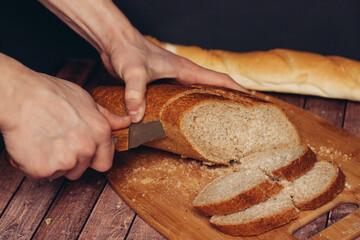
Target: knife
[
  {"x": 127, "y": 138},
  {"x": 137, "y": 134}
]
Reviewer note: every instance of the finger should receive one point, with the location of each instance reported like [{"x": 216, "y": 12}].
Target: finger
[
  {"x": 115, "y": 121},
  {"x": 190, "y": 73},
  {"x": 103, "y": 158},
  {"x": 135, "y": 89},
  {"x": 79, "y": 169},
  {"x": 57, "y": 174}
]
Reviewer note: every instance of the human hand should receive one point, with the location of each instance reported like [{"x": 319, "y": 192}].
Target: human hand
[
  {"x": 138, "y": 62},
  {"x": 127, "y": 54},
  {"x": 53, "y": 127}
]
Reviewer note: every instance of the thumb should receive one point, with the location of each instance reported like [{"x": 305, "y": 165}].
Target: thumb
[
  {"x": 135, "y": 89},
  {"x": 115, "y": 121}
]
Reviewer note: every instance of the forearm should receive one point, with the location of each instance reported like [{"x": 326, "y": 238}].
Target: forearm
[{"x": 98, "y": 21}]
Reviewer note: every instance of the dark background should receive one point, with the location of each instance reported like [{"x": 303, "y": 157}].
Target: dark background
[{"x": 33, "y": 35}]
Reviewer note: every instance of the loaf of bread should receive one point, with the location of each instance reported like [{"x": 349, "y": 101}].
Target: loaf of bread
[
  {"x": 311, "y": 190},
  {"x": 210, "y": 124},
  {"x": 280, "y": 70}
]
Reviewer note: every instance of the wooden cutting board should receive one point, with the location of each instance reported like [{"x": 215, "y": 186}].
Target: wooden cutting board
[{"x": 160, "y": 186}]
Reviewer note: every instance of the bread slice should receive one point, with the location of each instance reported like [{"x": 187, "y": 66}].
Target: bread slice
[
  {"x": 214, "y": 125},
  {"x": 274, "y": 212},
  {"x": 286, "y": 163},
  {"x": 313, "y": 189},
  {"x": 235, "y": 191},
  {"x": 318, "y": 186}
]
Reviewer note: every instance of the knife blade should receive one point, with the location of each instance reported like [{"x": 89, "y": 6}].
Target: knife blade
[{"x": 137, "y": 134}]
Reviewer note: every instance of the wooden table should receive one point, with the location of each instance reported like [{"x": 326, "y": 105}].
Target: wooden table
[{"x": 89, "y": 209}]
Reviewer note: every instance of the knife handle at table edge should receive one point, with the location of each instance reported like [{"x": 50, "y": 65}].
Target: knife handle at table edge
[{"x": 120, "y": 137}]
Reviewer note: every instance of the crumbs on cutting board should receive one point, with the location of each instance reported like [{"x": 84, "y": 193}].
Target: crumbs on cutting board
[
  {"x": 331, "y": 154},
  {"x": 174, "y": 174}
]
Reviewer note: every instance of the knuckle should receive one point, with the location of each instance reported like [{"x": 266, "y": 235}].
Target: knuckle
[{"x": 67, "y": 163}]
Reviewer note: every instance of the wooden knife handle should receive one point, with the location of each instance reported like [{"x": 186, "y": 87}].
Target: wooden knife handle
[{"x": 121, "y": 139}]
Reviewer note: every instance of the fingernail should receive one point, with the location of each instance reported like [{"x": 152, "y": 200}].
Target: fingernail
[
  {"x": 136, "y": 116},
  {"x": 125, "y": 118}
]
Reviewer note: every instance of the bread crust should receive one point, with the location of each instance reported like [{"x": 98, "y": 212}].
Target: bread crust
[
  {"x": 336, "y": 186},
  {"x": 248, "y": 198},
  {"x": 258, "y": 226},
  {"x": 280, "y": 70},
  {"x": 297, "y": 167}
]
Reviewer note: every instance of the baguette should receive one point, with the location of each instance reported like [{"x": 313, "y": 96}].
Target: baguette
[
  {"x": 280, "y": 70},
  {"x": 210, "y": 124}
]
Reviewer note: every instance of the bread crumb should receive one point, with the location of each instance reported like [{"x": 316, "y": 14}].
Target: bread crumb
[
  {"x": 48, "y": 221},
  {"x": 147, "y": 181}
]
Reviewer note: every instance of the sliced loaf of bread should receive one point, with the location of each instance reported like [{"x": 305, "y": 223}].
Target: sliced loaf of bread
[
  {"x": 285, "y": 163},
  {"x": 235, "y": 191},
  {"x": 311, "y": 190},
  {"x": 274, "y": 212},
  {"x": 214, "y": 125}
]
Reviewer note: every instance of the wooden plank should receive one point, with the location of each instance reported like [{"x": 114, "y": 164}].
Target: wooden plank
[
  {"x": 312, "y": 228},
  {"x": 111, "y": 218},
  {"x": 330, "y": 109},
  {"x": 142, "y": 230},
  {"x": 352, "y": 118},
  {"x": 341, "y": 211},
  {"x": 10, "y": 179},
  {"x": 27, "y": 208},
  {"x": 68, "y": 214},
  {"x": 294, "y": 99}
]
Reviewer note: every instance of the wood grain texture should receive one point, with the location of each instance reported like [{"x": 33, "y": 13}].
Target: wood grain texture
[
  {"x": 294, "y": 99},
  {"x": 329, "y": 109},
  {"x": 352, "y": 118},
  {"x": 10, "y": 179},
  {"x": 121, "y": 139},
  {"x": 27, "y": 208},
  {"x": 143, "y": 231},
  {"x": 72, "y": 206},
  {"x": 111, "y": 218},
  {"x": 312, "y": 228}
]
